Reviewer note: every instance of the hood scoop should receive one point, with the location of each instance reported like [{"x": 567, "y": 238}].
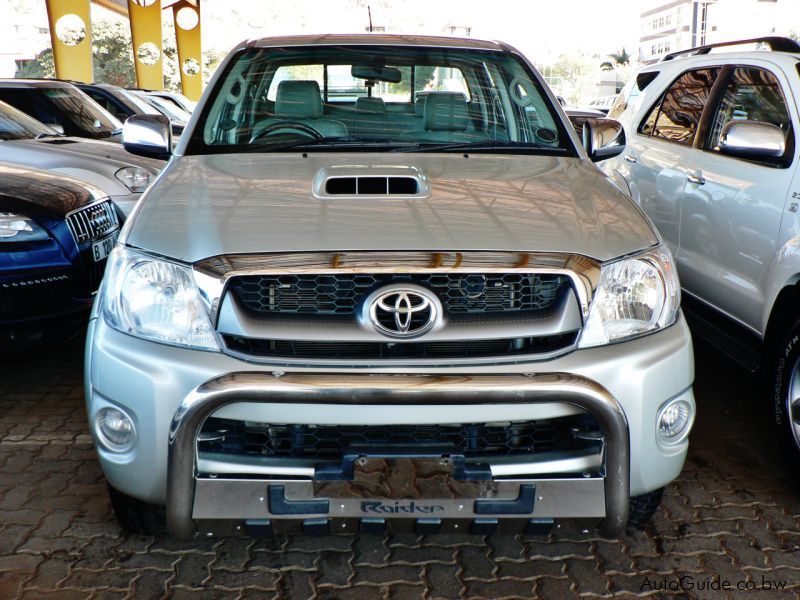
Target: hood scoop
[{"x": 372, "y": 182}]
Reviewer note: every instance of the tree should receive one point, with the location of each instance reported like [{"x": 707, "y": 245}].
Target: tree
[{"x": 618, "y": 59}]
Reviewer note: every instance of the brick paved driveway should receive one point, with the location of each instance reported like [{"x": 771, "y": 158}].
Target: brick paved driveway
[{"x": 733, "y": 513}]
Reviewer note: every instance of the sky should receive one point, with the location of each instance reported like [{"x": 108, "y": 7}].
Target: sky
[{"x": 541, "y": 29}]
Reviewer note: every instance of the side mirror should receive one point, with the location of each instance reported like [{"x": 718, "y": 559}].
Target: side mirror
[
  {"x": 602, "y": 138},
  {"x": 57, "y": 126},
  {"x": 752, "y": 139},
  {"x": 148, "y": 135}
]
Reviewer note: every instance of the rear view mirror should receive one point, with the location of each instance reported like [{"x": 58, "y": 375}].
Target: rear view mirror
[
  {"x": 752, "y": 139},
  {"x": 602, "y": 138},
  {"x": 148, "y": 135},
  {"x": 387, "y": 74}
]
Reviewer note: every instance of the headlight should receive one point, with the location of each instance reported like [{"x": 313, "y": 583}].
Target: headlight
[
  {"x": 154, "y": 299},
  {"x": 635, "y": 296},
  {"x": 19, "y": 228},
  {"x": 136, "y": 179}
]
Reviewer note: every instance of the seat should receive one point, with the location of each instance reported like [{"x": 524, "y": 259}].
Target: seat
[
  {"x": 300, "y": 101},
  {"x": 446, "y": 119},
  {"x": 375, "y": 106}
]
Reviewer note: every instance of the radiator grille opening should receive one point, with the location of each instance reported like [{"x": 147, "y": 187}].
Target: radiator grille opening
[
  {"x": 267, "y": 348},
  {"x": 341, "y": 294},
  {"x": 332, "y": 442}
]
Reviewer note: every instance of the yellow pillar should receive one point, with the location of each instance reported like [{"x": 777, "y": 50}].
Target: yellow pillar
[
  {"x": 190, "y": 54},
  {"x": 145, "y": 17},
  {"x": 71, "y": 36}
]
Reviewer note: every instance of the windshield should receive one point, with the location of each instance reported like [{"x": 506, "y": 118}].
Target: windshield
[
  {"x": 140, "y": 104},
  {"x": 16, "y": 125},
  {"x": 328, "y": 98},
  {"x": 87, "y": 116},
  {"x": 173, "y": 112}
]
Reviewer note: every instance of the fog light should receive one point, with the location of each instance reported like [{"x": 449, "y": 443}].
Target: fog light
[
  {"x": 674, "y": 421},
  {"x": 115, "y": 429}
]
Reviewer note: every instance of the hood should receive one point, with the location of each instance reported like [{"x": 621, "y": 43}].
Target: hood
[
  {"x": 208, "y": 205},
  {"x": 97, "y": 149},
  {"x": 35, "y": 192}
]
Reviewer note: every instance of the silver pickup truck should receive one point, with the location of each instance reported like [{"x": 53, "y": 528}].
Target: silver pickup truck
[{"x": 381, "y": 282}]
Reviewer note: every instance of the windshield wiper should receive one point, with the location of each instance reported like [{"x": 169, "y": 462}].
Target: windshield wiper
[
  {"x": 333, "y": 143},
  {"x": 483, "y": 145}
]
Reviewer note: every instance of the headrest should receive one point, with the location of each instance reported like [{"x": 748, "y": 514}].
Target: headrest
[
  {"x": 298, "y": 99},
  {"x": 371, "y": 105},
  {"x": 419, "y": 106},
  {"x": 445, "y": 111}
]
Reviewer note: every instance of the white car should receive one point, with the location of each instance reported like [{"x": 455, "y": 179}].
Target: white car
[{"x": 711, "y": 157}]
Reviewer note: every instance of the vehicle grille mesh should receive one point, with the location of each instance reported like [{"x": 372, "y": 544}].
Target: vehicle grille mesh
[
  {"x": 332, "y": 442},
  {"x": 92, "y": 222},
  {"x": 341, "y": 294}
]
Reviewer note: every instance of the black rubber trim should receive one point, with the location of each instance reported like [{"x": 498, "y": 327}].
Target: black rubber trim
[
  {"x": 523, "y": 505},
  {"x": 279, "y": 505}
]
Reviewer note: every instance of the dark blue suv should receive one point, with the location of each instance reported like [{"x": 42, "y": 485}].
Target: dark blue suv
[{"x": 55, "y": 234}]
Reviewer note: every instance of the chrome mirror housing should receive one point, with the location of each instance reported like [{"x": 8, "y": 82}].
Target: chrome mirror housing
[
  {"x": 752, "y": 139},
  {"x": 148, "y": 135},
  {"x": 602, "y": 138}
]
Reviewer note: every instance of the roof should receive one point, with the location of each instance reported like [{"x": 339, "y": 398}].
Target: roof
[
  {"x": 27, "y": 83},
  {"x": 375, "y": 39}
]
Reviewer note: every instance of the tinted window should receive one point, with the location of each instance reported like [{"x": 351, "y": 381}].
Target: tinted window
[
  {"x": 751, "y": 94},
  {"x": 16, "y": 125},
  {"x": 108, "y": 104},
  {"x": 676, "y": 115}
]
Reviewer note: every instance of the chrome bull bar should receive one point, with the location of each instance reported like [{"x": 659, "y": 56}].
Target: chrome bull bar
[{"x": 393, "y": 390}]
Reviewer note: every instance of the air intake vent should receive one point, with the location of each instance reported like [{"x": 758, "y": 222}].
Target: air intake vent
[
  {"x": 373, "y": 186},
  {"x": 338, "y": 181}
]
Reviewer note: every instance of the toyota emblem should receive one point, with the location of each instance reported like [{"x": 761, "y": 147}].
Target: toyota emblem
[{"x": 403, "y": 312}]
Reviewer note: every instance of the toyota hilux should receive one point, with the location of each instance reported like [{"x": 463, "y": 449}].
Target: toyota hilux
[{"x": 382, "y": 283}]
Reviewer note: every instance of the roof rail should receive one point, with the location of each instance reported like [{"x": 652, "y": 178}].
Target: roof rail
[{"x": 775, "y": 43}]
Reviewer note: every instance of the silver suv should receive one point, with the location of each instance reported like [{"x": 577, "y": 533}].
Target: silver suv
[
  {"x": 381, "y": 279},
  {"x": 711, "y": 157}
]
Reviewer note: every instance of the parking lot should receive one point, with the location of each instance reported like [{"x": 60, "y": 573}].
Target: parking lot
[{"x": 732, "y": 516}]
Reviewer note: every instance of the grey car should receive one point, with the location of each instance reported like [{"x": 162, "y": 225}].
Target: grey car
[
  {"x": 334, "y": 312},
  {"x": 121, "y": 175}
]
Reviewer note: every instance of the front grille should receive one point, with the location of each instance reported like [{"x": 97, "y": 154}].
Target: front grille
[
  {"x": 35, "y": 293},
  {"x": 92, "y": 222},
  {"x": 341, "y": 294},
  {"x": 396, "y": 350},
  {"x": 329, "y": 443}
]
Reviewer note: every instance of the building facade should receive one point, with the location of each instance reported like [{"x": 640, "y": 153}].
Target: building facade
[{"x": 669, "y": 26}]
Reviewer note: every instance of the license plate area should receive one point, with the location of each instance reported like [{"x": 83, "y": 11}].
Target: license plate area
[
  {"x": 101, "y": 248},
  {"x": 389, "y": 478}
]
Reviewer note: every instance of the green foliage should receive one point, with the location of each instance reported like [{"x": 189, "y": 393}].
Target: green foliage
[{"x": 618, "y": 59}]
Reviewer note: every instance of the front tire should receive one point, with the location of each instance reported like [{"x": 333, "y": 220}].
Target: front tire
[
  {"x": 643, "y": 507},
  {"x": 784, "y": 391}
]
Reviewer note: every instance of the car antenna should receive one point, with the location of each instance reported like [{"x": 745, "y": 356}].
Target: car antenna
[{"x": 369, "y": 14}]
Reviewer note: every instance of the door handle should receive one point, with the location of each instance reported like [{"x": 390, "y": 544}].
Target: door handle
[
  {"x": 630, "y": 158},
  {"x": 696, "y": 178}
]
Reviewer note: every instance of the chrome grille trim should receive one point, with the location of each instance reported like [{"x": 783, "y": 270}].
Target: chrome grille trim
[
  {"x": 92, "y": 222},
  {"x": 212, "y": 275}
]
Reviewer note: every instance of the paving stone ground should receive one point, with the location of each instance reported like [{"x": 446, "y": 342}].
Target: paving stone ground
[{"x": 732, "y": 516}]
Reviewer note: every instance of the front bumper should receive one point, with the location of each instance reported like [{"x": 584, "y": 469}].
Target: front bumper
[
  {"x": 169, "y": 392},
  {"x": 185, "y": 501}
]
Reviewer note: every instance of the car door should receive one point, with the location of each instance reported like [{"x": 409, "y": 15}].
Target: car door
[
  {"x": 661, "y": 144},
  {"x": 732, "y": 207}
]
